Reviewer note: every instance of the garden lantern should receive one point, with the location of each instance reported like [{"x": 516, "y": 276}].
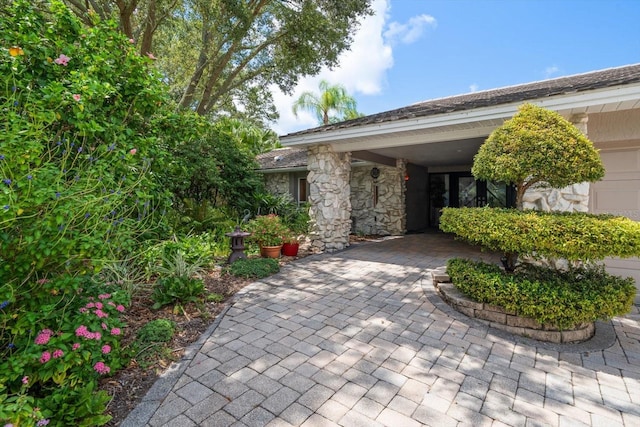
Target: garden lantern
[{"x": 237, "y": 244}]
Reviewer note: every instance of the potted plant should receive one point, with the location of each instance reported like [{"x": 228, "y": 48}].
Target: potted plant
[
  {"x": 291, "y": 245},
  {"x": 269, "y": 232}
]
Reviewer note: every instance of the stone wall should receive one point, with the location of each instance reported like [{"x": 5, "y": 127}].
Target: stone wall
[
  {"x": 329, "y": 176},
  {"x": 277, "y": 183},
  {"x": 574, "y": 198},
  {"x": 387, "y": 216}
]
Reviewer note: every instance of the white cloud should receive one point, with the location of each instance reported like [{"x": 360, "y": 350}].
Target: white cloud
[
  {"x": 411, "y": 31},
  {"x": 473, "y": 87},
  {"x": 361, "y": 70},
  {"x": 550, "y": 71}
]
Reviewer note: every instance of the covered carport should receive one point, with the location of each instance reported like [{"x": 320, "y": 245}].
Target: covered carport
[{"x": 442, "y": 136}]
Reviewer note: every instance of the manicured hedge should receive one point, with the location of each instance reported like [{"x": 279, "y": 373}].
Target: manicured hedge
[
  {"x": 572, "y": 236},
  {"x": 562, "y": 299}
]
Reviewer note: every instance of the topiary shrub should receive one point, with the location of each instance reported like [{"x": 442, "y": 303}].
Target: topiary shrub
[
  {"x": 570, "y": 235},
  {"x": 562, "y": 299}
]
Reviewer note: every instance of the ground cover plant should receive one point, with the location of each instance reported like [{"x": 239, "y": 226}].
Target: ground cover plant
[{"x": 538, "y": 148}]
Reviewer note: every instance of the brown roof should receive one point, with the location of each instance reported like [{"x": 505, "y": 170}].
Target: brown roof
[
  {"x": 525, "y": 92},
  {"x": 283, "y": 158}
]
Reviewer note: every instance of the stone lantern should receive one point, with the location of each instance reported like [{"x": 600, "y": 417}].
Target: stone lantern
[{"x": 237, "y": 244}]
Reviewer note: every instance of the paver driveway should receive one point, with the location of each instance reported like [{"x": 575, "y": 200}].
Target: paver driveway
[{"x": 359, "y": 338}]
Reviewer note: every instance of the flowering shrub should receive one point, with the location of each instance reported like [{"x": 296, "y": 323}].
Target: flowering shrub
[
  {"x": 76, "y": 190},
  {"x": 57, "y": 339},
  {"x": 268, "y": 230},
  {"x": 75, "y": 146}
]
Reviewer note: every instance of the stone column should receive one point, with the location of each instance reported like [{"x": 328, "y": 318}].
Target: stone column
[
  {"x": 573, "y": 198},
  {"x": 401, "y": 165},
  {"x": 329, "y": 196}
]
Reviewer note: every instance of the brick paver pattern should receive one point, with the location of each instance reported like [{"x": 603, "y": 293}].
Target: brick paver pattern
[{"x": 355, "y": 339}]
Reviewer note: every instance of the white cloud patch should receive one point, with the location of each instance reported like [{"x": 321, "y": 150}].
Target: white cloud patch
[
  {"x": 551, "y": 71},
  {"x": 361, "y": 70},
  {"x": 473, "y": 87},
  {"x": 410, "y": 31}
]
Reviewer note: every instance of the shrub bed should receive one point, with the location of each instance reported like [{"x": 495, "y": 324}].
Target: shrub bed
[{"x": 561, "y": 299}]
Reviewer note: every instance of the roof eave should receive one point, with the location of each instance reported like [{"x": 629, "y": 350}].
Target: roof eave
[{"x": 477, "y": 116}]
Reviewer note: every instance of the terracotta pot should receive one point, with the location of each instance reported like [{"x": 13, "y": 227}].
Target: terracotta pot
[
  {"x": 270, "y": 251},
  {"x": 290, "y": 249}
]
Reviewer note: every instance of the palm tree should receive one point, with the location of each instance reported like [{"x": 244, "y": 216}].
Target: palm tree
[{"x": 332, "y": 98}]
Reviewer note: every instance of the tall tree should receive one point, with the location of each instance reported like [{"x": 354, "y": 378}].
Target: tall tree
[
  {"x": 223, "y": 54},
  {"x": 332, "y": 105}
]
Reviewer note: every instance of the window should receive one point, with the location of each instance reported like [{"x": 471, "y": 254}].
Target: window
[{"x": 302, "y": 190}]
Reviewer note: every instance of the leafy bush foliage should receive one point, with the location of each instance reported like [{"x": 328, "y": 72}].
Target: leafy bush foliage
[
  {"x": 254, "y": 267},
  {"x": 207, "y": 164},
  {"x": 77, "y": 190},
  {"x": 151, "y": 342},
  {"x": 562, "y": 299},
  {"x": 58, "y": 336},
  {"x": 159, "y": 330},
  {"x": 75, "y": 147},
  {"x": 170, "y": 290},
  {"x": 537, "y": 147},
  {"x": 176, "y": 282},
  {"x": 572, "y": 236},
  {"x": 268, "y": 230}
]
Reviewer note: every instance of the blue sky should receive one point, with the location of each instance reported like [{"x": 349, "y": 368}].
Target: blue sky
[{"x": 415, "y": 50}]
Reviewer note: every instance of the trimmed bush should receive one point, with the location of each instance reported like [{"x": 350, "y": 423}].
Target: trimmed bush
[
  {"x": 561, "y": 299},
  {"x": 573, "y": 236}
]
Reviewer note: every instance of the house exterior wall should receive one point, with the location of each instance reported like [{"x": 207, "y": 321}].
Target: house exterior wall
[{"x": 383, "y": 214}]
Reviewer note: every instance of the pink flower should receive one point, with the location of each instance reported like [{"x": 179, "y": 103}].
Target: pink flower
[
  {"x": 83, "y": 310},
  {"x": 75, "y": 346},
  {"x": 132, "y": 41},
  {"x": 101, "y": 314},
  {"x": 104, "y": 326},
  {"x": 82, "y": 331},
  {"x": 25, "y": 380},
  {"x": 42, "y": 281},
  {"x": 115, "y": 331},
  {"x": 111, "y": 303},
  {"x": 96, "y": 336},
  {"x": 90, "y": 305},
  {"x": 62, "y": 59},
  {"x": 104, "y": 296},
  {"x": 46, "y": 356},
  {"x": 99, "y": 305},
  {"x": 101, "y": 368},
  {"x": 120, "y": 308},
  {"x": 76, "y": 97},
  {"x": 106, "y": 349},
  {"x": 150, "y": 55},
  {"x": 58, "y": 353},
  {"x": 133, "y": 151},
  {"x": 44, "y": 336}
]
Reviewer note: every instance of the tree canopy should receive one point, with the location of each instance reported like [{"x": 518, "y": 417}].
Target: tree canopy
[
  {"x": 537, "y": 147},
  {"x": 332, "y": 105},
  {"x": 223, "y": 54}
]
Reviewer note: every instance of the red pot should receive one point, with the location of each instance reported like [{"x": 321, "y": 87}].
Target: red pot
[{"x": 290, "y": 249}]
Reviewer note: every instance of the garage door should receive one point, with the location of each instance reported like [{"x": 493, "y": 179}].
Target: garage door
[{"x": 619, "y": 194}]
